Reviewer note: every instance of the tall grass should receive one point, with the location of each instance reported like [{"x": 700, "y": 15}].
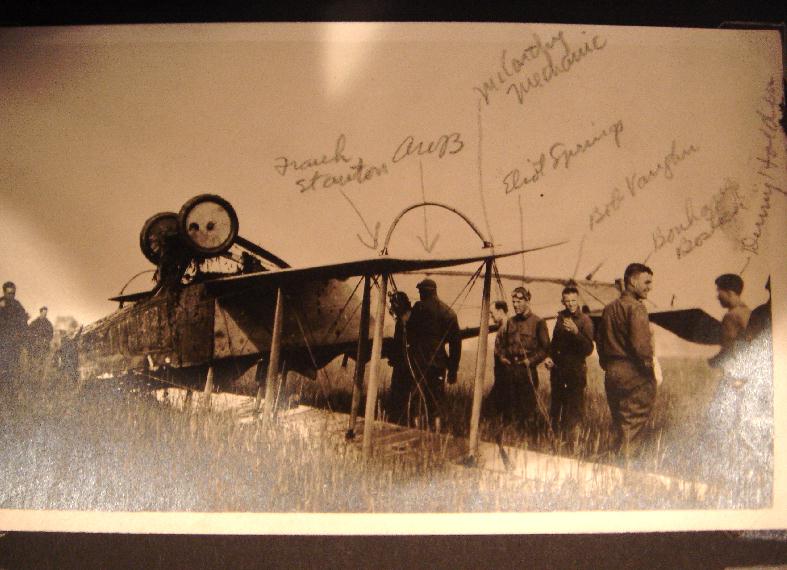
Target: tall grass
[{"x": 108, "y": 445}]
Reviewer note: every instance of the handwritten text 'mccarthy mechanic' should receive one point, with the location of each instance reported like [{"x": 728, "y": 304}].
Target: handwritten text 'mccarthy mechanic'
[{"x": 537, "y": 64}]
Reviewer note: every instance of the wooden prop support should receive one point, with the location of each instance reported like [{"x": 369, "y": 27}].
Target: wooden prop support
[
  {"x": 360, "y": 360},
  {"x": 374, "y": 368},
  {"x": 208, "y": 387},
  {"x": 480, "y": 363},
  {"x": 273, "y": 361},
  {"x": 260, "y": 387}
]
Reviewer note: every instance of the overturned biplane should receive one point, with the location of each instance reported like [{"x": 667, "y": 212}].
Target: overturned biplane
[{"x": 225, "y": 328}]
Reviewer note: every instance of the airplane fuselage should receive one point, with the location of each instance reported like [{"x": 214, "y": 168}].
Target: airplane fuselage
[{"x": 193, "y": 327}]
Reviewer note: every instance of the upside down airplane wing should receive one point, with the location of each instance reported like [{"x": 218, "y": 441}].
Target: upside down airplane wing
[{"x": 343, "y": 270}]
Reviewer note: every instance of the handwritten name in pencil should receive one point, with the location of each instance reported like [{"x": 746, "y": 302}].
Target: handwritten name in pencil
[
  {"x": 556, "y": 56},
  {"x": 560, "y": 155},
  {"x": 637, "y": 182},
  {"x": 354, "y": 170},
  {"x": 769, "y": 166},
  {"x": 699, "y": 224}
]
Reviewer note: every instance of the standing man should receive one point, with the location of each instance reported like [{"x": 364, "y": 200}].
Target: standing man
[
  {"x": 728, "y": 291},
  {"x": 400, "y": 394},
  {"x": 67, "y": 356},
  {"x": 41, "y": 332},
  {"x": 432, "y": 325},
  {"x": 521, "y": 345},
  {"x": 500, "y": 394},
  {"x": 625, "y": 350},
  {"x": 13, "y": 332},
  {"x": 572, "y": 343},
  {"x": 727, "y": 433}
]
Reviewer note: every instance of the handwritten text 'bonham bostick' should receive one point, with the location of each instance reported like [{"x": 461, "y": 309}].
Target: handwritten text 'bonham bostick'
[
  {"x": 518, "y": 74},
  {"x": 769, "y": 166},
  {"x": 560, "y": 155},
  {"x": 637, "y": 182},
  {"x": 699, "y": 224}
]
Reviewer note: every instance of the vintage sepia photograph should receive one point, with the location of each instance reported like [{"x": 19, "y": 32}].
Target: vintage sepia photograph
[{"x": 376, "y": 268}]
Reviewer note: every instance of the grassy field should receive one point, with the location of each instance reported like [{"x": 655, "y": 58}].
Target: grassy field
[{"x": 109, "y": 446}]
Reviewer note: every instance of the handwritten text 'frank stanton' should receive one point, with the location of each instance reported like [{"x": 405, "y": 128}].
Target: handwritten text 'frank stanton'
[
  {"x": 699, "y": 225},
  {"x": 557, "y": 57},
  {"x": 561, "y": 155},
  {"x": 359, "y": 171}
]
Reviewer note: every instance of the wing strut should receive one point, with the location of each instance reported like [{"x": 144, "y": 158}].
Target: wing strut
[
  {"x": 362, "y": 354},
  {"x": 374, "y": 370},
  {"x": 480, "y": 364},
  {"x": 273, "y": 361}
]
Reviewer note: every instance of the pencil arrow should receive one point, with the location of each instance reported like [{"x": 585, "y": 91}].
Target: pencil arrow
[
  {"x": 427, "y": 245},
  {"x": 374, "y": 236}
]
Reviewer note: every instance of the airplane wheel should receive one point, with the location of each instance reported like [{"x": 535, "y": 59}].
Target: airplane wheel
[
  {"x": 209, "y": 224},
  {"x": 155, "y": 230}
]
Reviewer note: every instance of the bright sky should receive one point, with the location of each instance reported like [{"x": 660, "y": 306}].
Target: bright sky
[{"x": 103, "y": 127}]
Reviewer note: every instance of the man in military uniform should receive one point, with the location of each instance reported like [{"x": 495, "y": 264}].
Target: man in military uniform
[
  {"x": 572, "y": 343},
  {"x": 400, "y": 395},
  {"x": 521, "y": 345},
  {"x": 625, "y": 350},
  {"x": 13, "y": 332},
  {"x": 432, "y": 325},
  {"x": 40, "y": 334}
]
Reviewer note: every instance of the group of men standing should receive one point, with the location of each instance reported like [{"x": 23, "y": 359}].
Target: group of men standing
[
  {"x": 421, "y": 365},
  {"x": 522, "y": 343},
  {"x": 623, "y": 340},
  {"x": 16, "y": 334}
]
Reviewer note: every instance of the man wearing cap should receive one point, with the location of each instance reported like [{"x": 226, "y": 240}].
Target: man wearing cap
[
  {"x": 40, "y": 332},
  {"x": 625, "y": 349},
  {"x": 572, "y": 343},
  {"x": 521, "y": 344},
  {"x": 432, "y": 325},
  {"x": 13, "y": 332}
]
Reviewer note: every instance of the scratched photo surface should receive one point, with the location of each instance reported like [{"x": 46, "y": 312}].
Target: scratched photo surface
[{"x": 594, "y": 147}]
